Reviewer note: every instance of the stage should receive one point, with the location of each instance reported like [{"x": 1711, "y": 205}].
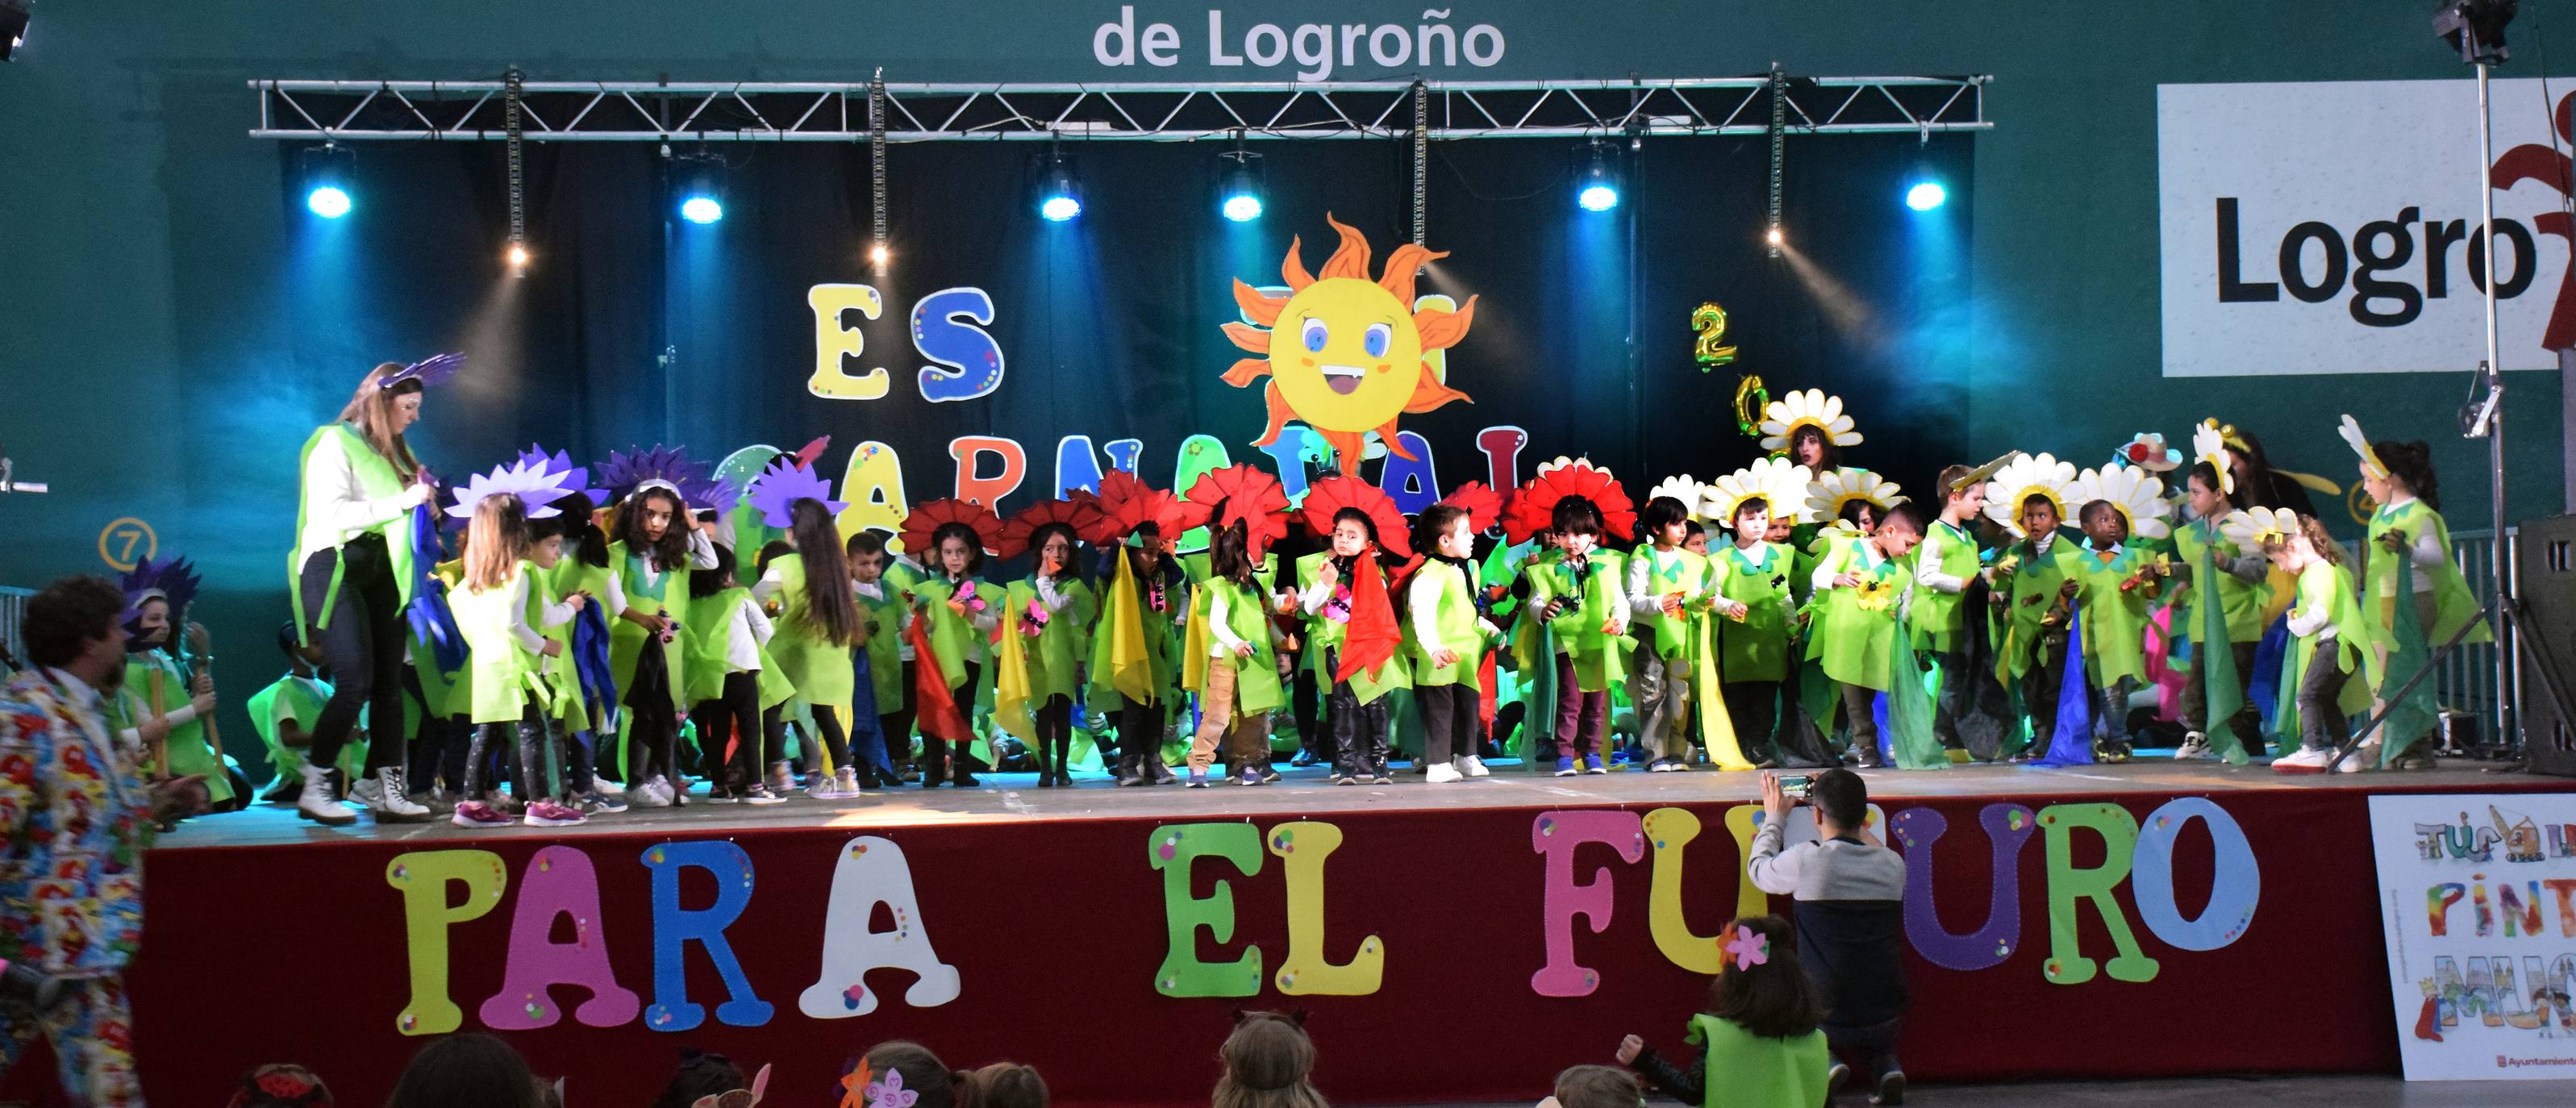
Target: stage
[{"x": 1454, "y": 942}]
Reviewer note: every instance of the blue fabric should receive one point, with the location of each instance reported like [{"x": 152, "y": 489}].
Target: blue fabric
[
  {"x": 2071, "y": 743},
  {"x": 2270, "y": 654},
  {"x": 590, "y": 661},
  {"x": 433, "y": 623},
  {"x": 1886, "y": 737},
  {"x": 866, "y": 730}
]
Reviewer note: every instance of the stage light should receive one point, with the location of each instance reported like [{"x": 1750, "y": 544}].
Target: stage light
[
  {"x": 877, "y": 255},
  {"x": 698, "y": 180},
  {"x": 1059, "y": 190},
  {"x": 1597, "y": 184},
  {"x": 1926, "y": 195},
  {"x": 517, "y": 255},
  {"x": 328, "y": 177},
  {"x": 1774, "y": 237},
  {"x": 14, "y": 17},
  {"x": 1239, "y": 186}
]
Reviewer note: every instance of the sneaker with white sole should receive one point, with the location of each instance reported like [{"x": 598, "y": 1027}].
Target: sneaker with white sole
[
  {"x": 606, "y": 787},
  {"x": 1252, "y": 776},
  {"x": 475, "y": 813},
  {"x": 1345, "y": 779},
  {"x": 1565, "y": 767},
  {"x": 653, "y": 793},
  {"x": 597, "y": 805},
  {"x": 367, "y": 792},
  {"x": 547, "y": 813},
  {"x": 2363, "y": 758},
  {"x": 1442, "y": 773},
  {"x": 2194, "y": 748},
  {"x": 760, "y": 794},
  {"x": 391, "y": 805},
  {"x": 1197, "y": 779},
  {"x": 1472, "y": 766},
  {"x": 2314, "y": 760},
  {"x": 782, "y": 778},
  {"x": 1592, "y": 764}
]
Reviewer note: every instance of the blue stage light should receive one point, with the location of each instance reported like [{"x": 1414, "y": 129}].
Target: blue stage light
[
  {"x": 1239, "y": 186},
  {"x": 1597, "y": 183},
  {"x": 701, "y": 209},
  {"x": 1057, "y": 209},
  {"x": 328, "y": 179},
  {"x": 1243, "y": 207},
  {"x": 698, "y": 180},
  {"x": 1926, "y": 195},
  {"x": 1059, "y": 192}
]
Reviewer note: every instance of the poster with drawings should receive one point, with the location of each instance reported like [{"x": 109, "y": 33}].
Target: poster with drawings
[{"x": 2478, "y": 902}]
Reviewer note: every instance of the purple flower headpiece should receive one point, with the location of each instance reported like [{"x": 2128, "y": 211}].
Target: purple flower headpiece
[
  {"x": 170, "y": 579},
  {"x": 536, "y": 485},
  {"x": 577, "y": 478},
  {"x": 775, "y": 492},
  {"x": 693, "y": 481},
  {"x": 432, "y": 370}
]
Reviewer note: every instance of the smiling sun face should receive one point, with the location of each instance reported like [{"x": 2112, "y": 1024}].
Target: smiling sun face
[{"x": 1344, "y": 353}]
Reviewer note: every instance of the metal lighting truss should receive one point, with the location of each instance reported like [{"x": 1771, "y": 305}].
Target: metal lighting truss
[{"x": 644, "y": 111}]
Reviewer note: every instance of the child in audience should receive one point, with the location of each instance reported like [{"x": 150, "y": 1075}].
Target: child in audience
[
  {"x": 1851, "y": 910},
  {"x": 1762, "y": 1045},
  {"x": 1007, "y": 1085},
  {"x": 701, "y": 1075},
  {"x": 281, "y": 1086},
  {"x": 1267, "y": 1062},
  {"x": 901, "y": 1067},
  {"x": 468, "y": 1068},
  {"x": 1594, "y": 1087}
]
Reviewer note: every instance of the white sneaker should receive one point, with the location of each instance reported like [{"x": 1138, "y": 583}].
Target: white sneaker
[
  {"x": 320, "y": 802},
  {"x": 606, "y": 787},
  {"x": 368, "y": 792},
  {"x": 1442, "y": 773},
  {"x": 654, "y": 793},
  {"x": 391, "y": 804},
  {"x": 2305, "y": 761},
  {"x": 2194, "y": 748},
  {"x": 2363, "y": 757},
  {"x": 1472, "y": 766}
]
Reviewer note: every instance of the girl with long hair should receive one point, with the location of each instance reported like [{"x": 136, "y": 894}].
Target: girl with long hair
[
  {"x": 2330, "y": 642},
  {"x": 516, "y": 671},
  {"x": 351, "y": 573},
  {"x": 2242, "y": 590},
  {"x": 1269, "y": 1063},
  {"x": 2406, "y": 531},
  {"x": 1053, "y": 610},
  {"x": 658, "y": 545},
  {"x": 819, "y": 622}
]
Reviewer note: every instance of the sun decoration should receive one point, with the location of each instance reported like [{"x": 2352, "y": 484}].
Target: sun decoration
[
  {"x": 1777, "y": 482},
  {"x": 2256, "y": 528},
  {"x": 2030, "y": 475},
  {"x": 1831, "y": 492},
  {"x": 1354, "y": 363},
  {"x": 1807, "y": 408},
  {"x": 2138, "y": 494}
]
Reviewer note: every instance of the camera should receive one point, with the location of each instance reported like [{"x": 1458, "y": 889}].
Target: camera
[{"x": 1795, "y": 786}]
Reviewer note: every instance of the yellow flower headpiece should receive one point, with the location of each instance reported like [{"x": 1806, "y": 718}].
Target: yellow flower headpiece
[
  {"x": 2026, "y": 476},
  {"x": 1808, "y": 408}
]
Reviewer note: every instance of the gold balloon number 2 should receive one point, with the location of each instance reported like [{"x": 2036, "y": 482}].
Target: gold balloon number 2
[{"x": 1709, "y": 321}]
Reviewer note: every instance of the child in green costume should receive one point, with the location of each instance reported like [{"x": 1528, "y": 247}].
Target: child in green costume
[
  {"x": 516, "y": 670},
  {"x": 1337, "y": 595},
  {"x": 1859, "y": 581},
  {"x": 1242, "y": 684},
  {"x": 1576, "y": 596},
  {"x": 590, "y": 713},
  {"x": 1761, "y": 1040},
  {"x": 819, "y": 622},
  {"x": 658, "y": 544},
  {"x": 1052, "y": 612},
  {"x": 1943, "y": 568},
  {"x": 1449, "y": 636},
  {"x": 2242, "y": 589},
  {"x": 1754, "y": 580},
  {"x": 735, "y": 684},
  {"x": 1142, "y": 594},
  {"x": 2034, "y": 582},
  {"x": 877, "y": 581},
  {"x": 283, "y": 714},
  {"x": 2408, "y": 527},
  {"x": 170, "y": 684},
  {"x": 2333, "y": 640},
  {"x": 2115, "y": 582},
  {"x": 1667, "y": 590},
  {"x": 960, "y": 611}
]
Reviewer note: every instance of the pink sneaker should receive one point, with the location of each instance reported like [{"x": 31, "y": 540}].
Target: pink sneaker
[
  {"x": 475, "y": 813},
  {"x": 547, "y": 813}
]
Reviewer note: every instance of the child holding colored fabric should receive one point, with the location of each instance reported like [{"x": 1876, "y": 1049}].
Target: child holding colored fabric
[
  {"x": 1577, "y": 597},
  {"x": 2033, "y": 588},
  {"x": 1753, "y": 575},
  {"x": 2241, "y": 588},
  {"x": 1449, "y": 638},
  {"x": 877, "y": 581},
  {"x": 1943, "y": 569},
  {"x": 1352, "y": 631},
  {"x": 959, "y": 610},
  {"x": 1668, "y": 592},
  {"x": 1052, "y": 612},
  {"x": 1859, "y": 581},
  {"x": 2408, "y": 538}
]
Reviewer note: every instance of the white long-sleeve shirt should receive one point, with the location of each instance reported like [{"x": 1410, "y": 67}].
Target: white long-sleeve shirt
[
  {"x": 336, "y": 507},
  {"x": 1645, "y": 601},
  {"x": 702, "y": 555},
  {"x": 749, "y": 631},
  {"x": 1222, "y": 641},
  {"x": 1927, "y": 563}
]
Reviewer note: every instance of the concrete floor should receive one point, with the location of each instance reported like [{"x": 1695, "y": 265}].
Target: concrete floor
[{"x": 2335, "y": 1091}]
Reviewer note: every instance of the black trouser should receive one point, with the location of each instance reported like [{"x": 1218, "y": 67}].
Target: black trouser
[
  {"x": 898, "y": 723},
  {"x": 937, "y": 749},
  {"x": 428, "y": 744},
  {"x": 2247, "y": 723},
  {"x": 1449, "y": 716},
  {"x": 2040, "y": 687},
  {"x": 1055, "y": 735},
  {"x": 1306, "y": 704},
  {"x": 1755, "y": 708},
  {"x": 653, "y": 725},
  {"x": 363, "y": 646},
  {"x": 2321, "y": 721},
  {"x": 1956, "y": 697},
  {"x": 1140, "y": 736},
  {"x": 734, "y": 718},
  {"x": 528, "y": 774},
  {"x": 836, "y": 741},
  {"x": 1359, "y": 730},
  {"x": 1870, "y": 1049}
]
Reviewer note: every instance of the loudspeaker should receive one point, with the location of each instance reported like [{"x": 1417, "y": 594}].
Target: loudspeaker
[{"x": 2546, "y": 553}]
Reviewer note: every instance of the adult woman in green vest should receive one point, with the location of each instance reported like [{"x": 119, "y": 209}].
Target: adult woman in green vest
[
  {"x": 2407, "y": 532},
  {"x": 351, "y": 574}
]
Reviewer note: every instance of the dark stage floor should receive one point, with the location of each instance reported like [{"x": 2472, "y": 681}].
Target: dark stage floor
[{"x": 1307, "y": 792}]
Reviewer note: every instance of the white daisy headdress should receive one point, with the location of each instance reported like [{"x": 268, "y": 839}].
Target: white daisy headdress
[
  {"x": 1777, "y": 482},
  {"x": 1808, "y": 408},
  {"x": 1682, "y": 487},
  {"x": 2138, "y": 494},
  {"x": 2024, "y": 477},
  {"x": 2209, "y": 444},
  {"x": 1830, "y": 493},
  {"x": 2255, "y": 528},
  {"x": 2371, "y": 466}
]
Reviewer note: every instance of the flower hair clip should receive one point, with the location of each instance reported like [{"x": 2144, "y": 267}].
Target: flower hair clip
[
  {"x": 1749, "y": 948},
  {"x": 890, "y": 1092}
]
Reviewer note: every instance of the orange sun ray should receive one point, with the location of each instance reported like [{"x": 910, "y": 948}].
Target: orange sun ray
[
  {"x": 1441, "y": 330},
  {"x": 1347, "y": 447},
  {"x": 1248, "y": 337},
  {"x": 1351, "y": 258},
  {"x": 1400, "y": 268},
  {"x": 1292, "y": 268},
  {"x": 1429, "y": 393},
  {"x": 1279, "y": 413},
  {"x": 1395, "y": 444},
  {"x": 1244, "y": 370}
]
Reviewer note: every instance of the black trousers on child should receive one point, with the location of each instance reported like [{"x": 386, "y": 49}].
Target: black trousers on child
[
  {"x": 1449, "y": 720},
  {"x": 1055, "y": 736},
  {"x": 2321, "y": 721},
  {"x": 732, "y": 732},
  {"x": 527, "y": 758},
  {"x": 653, "y": 725},
  {"x": 939, "y": 765},
  {"x": 1358, "y": 730},
  {"x": 1755, "y": 708}
]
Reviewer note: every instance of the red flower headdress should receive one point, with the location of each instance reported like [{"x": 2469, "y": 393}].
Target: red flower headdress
[
  {"x": 928, "y": 517},
  {"x": 1533, "y": 506},
  {"x": 1242, "y": 494}
]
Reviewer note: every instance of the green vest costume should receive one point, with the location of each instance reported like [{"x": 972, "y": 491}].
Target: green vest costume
[
  {"x": 820, "y": 671},
  {"x": 572, "y": 575},
  {"x": 1579, "y": 629},
  {"x": 1256, "y": 678},
  {"x": 2328, "y": 587},
  {"x": 1935, "y": 616},
  {"x": 1454, "y": 620},
  {"x": 2241, "y": 602},
  {"x": 883, "y": 616},
  {"x": 1161, "y": 636},
  {"x": 2454, "y": 606},
  {"x": 1756, "y": 649},
  {"x": 191, "y": 752},
  {"x": 1324, "y": 634},
  {"x": 2032, "y": 593},
  {"x": 376, "y": 478},
  {"x": 299, "y": 699},
  {"x": 950, "y": 633},
  {"x": 1669, "y": 571},
  {"x": 2115, "y": 621},
  {"x": 1852, "y": 641},
  {"x": 1062, "y": 645},
  {"x": 507, "y": 678},
  {"x": 1746, "y": 1070},
  {"x": 626, "y": 639},
  {"x": 706, "y": 633}
]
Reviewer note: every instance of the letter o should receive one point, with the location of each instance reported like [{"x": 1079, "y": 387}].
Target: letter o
[
  {"x": 1488, "y": 30},
  {"x": 1403, "y": 45},
  {"x": 1278, "y": 44},
  {"x": 2294, "y": 273},
  {"x": 2235, "y": 886}
]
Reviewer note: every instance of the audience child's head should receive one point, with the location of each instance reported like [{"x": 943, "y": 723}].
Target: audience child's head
[
  {"x": 920, "y": 1072},
  {"x": 1763, "y": 989},
  {"x": 1661, "y": 522},
  {"x": 1595, "y": 1087},
  {"x": 2203, "y": 495},
  {"x": 1576, "y": 525},
  {"x": 700, "y": 1075},
  {"x": 1899, "y": 530},
  {"x": 496, "y": 541},
  {"x": 1007, "y": 1085},
  {"x": 958, "y": 549},
  {"x": 866, "y": 554},
  {"x": 1840, "y": 800},
  {"x": 1441, "y": 530},
  {"x": 1961, "y": 503},
  {"x": 280, "y": 1086},
  {"x": 2039, "y": 516},
  {"x": 465, "y": 1070},
  {"x": 1694, "y": 537},
  {"x": 2410, "y": 472},
  {"x": 1268, "y": 1060},
  {"x": 2103, "y": 524}
]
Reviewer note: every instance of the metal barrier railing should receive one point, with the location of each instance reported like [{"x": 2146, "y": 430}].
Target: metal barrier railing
[
  {"x": 2467, "y": 679},
  {"x": 13, "y": 613}
]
